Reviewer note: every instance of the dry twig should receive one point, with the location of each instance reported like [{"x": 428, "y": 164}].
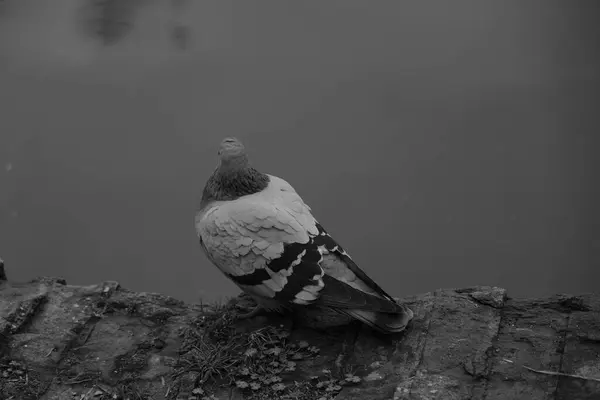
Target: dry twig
[{"x": 552, "y": 373}]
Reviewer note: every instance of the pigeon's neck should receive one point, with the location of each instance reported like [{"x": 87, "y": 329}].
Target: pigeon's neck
[{"x": 230, "y": 183}]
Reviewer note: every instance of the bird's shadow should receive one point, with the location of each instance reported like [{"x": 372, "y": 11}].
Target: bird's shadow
[{"x": 321, "y": 322}]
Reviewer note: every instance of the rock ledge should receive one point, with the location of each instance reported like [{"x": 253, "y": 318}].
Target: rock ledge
[{"x": 105, "y": 342}]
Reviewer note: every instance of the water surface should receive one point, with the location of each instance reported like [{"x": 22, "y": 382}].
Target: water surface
[{"x": 443, "y": 144}]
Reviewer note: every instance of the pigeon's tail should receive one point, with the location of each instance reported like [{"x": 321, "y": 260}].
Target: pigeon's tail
[{"x": 383, "y": 322}]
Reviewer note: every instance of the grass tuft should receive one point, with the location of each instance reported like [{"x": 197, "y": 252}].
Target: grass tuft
[{"x": 260, "y": 364}]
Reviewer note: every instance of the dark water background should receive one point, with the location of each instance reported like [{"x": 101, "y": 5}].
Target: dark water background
[{"x": 444, "y": 144}]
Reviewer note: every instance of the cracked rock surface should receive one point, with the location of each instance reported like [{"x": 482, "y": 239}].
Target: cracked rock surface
[{"x": 72, "y": 342}]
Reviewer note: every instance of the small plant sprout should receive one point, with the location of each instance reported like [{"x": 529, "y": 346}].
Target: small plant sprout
[
  {"x": 241, "y": 384},
  {"x": 351, "y": 378},
  {"x": 333, "y": 388},
  {"x": 198, "y": 391},
  {"x": 283, "y": 334},
  {"x": 251, "y": 352},
  {"x": 273, "y": 351},
  {"x": 272, "y": 379},
  {"x": 291, "y": 366}
]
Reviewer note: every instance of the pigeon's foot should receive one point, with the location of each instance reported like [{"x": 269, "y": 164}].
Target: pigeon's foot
[{"x": 258, "y": 310}]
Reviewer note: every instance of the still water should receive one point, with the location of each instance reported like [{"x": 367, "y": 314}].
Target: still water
[{"x": 444, "y": 144}]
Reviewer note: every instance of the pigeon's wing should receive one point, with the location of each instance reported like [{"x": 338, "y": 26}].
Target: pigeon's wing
[
  {"x": 260, "y": 246},
  {"x": 338, "y": 263},
  {"x": 338, "y": 266},
  {"x": 269, "y": 250}
]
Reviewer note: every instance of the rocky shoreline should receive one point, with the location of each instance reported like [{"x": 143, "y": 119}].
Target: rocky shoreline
[{"x": 102, "y": 341}]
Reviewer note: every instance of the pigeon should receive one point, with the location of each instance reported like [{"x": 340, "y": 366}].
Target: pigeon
[{"x": 259, "y": 232}]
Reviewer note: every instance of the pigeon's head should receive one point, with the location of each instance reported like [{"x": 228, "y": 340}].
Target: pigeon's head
[
  {"x": 233, "y": 177},
  {"x": 231, "y": 149}
]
